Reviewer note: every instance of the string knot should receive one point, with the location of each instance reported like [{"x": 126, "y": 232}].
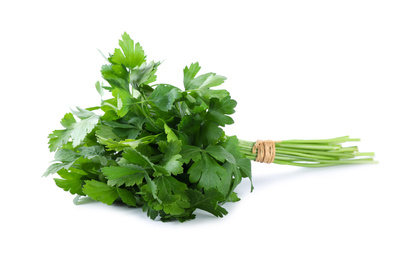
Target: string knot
[{"x": 266, "y": 151}]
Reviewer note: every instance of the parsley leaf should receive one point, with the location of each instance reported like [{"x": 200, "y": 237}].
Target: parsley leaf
[
  {"x": 203, "y": 81},
  {"x": 164, "y": 96},
  {"x": 172, "y": 159},
  {"x": 71, "y": 181},
  {"x": 132, "y": 55},
  {"x": 207, "y": 201},
  {"x": 100, "y": 191},
  {"x": 61, "y": 137},
  {"x": 128, "y": 175},
  {"x": 116, "y": 75},
  {"x": 173, "y": 194},
  {"x": 83, "y": 127},
  {"x": 219, "y": 109},
  {"x": 207, "y": 172},
  {"x": 127, "y": 196},
  {"x": 220, "y": 154},
  {"x": 144, "y": 74},
  {"x": 124, "y": 101},
  {"x": 189, "y": 152}
]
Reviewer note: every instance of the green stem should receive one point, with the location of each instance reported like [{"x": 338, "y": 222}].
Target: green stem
[
  {"x": 313, "y": 153},
  {"x": 142, "y": 105}
]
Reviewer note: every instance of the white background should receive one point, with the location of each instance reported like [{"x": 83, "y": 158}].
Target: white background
[{"x": 298, "y": 69}]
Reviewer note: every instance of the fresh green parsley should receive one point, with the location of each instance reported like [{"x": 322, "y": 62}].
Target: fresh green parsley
[{"x": 162, "y": 148}]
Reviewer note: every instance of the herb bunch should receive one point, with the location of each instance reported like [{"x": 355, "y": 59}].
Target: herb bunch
[
  {"x": 163, "y": 149},
  {"x": 154, "y": 146}
]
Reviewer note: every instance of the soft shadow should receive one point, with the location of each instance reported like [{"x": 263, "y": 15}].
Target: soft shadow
[
  {"x": 293, "y": 174},
  {"x": 201, "y": 216},
  {"x": 259, "y": 181}
]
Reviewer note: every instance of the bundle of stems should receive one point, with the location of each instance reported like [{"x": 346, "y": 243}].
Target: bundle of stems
[{"x": 313, "y": 153}]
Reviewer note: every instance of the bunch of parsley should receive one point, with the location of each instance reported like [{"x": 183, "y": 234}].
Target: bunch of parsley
[
  {"x": 152, "y": 146},
  {"x": 163, "y": 149}
]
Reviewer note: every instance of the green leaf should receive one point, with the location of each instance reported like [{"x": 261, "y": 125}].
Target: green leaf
[
  {"x": 118, "y": 146},
  {"x": 172, "y": 159},
  {"x": 93, "y": 108},
  {"x": 53, "y": 168},
  {"x": 152, "y": 187},
  {"x": 99, "y": 88},
  {"x": 231, "y": 144},
  {"x": 72, "y": 173},
  {"x": 73, "y": 186},
  {"x": 206, "y": 94},
  {"x": 110, "y": 108},
  {"x": 244, "y": 166},
  {"x": 189, "y": 152},
  {"x": 99, "y": 191},
  {"x": 207, "y": 80},
  {"x": 210, "y": 133},
  {"x": 105, "y": 132},
  {"x": 68, "y": 120},
  {"x": 164, "y": 96},
  {"x": 208, "y": 201},
  {"x": 220, "y": 154},
  {"x": 94, "y": 153},
  {"x": 218, "y": 111},
  {"x": 136, "y": 157},
  {"x": 143, "y": 74},
  {"x": 60, "y": 137},
  {"x": 152, "y": 77},
  {"x": 231, "y": 180},
  {"x": 126, "y": 133},
  {"x": 71, "y": 181},
  {"x": 207, "y": 173},
  {"x": 160, "y": 170},
  {"x": 171, "y": 136},
  {"x": 189, "y": 74},
  {"x": 65, "y": 155},
  {"x": 132, "y": 55},
  {"x": 127, "y": 175},
  {"x": 114, "y": 124},
  {"x": 173, "y": 164},
  {"x": 137, "y": 121},
  {"x": 127, "y": 196},
  {"x": 80, "y": 129},
  {"x": 233, "y": 197},
  {"x": 116, "y": 75},
  {"x": 151, "y": 213},
  {"x": 173, "y": 195},
  {"x": 124, "y": 101},
  {"x": 189, "y": 129}
]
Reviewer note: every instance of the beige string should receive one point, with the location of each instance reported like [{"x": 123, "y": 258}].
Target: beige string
[{"x": 266, "y": 151}]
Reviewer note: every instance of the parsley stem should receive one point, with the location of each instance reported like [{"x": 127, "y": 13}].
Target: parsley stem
[{"x": 313, "y": 153}]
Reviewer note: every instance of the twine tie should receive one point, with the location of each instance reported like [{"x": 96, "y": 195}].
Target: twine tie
[{"x": 266, "y": 151}]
